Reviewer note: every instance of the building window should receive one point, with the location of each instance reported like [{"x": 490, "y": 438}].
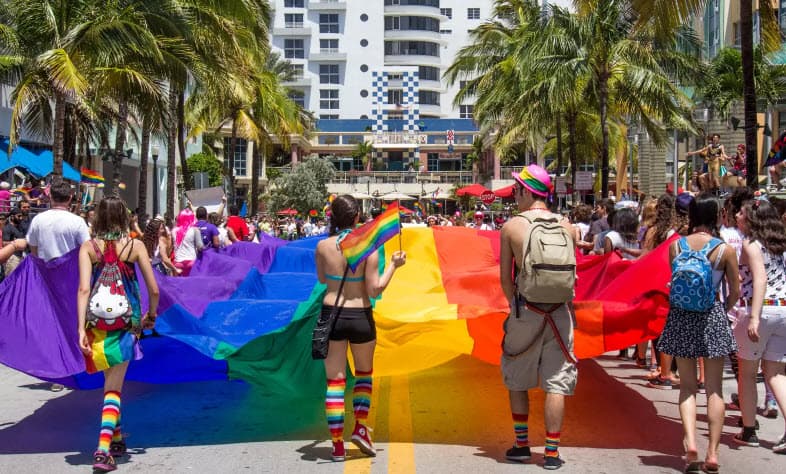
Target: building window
[
  {"x": 293, "y": 49},
  {"x": 448, "y": 12},
  {"x": 473, "y": 13},
  {"x": 465, "y": 111},
  {"x": 364, "y": 18},
  {"x": 395, "y": 77},
  {"x": 464, "y": 85},
  {"x": 364, "y": 42},
  {"x": 328, "y": 99},
  {"x": 363, "y": 67},
  {"x": 293, "y": 20},
  {"x": 328, "y": 22},
  {"x": 298, "y": 71},
  {"x": 328, "y": 46},
  {"x": 411, "y": 23},
  {"x": 298, "y": 97},
  {"x": 328, "y": 117},
  {"x": 411, "y": 48},
  {"x": 239, "y": 157},
  {"x": 328, "y": 74},
  {"x": 420, "y": 3},
  {"x": 445, "y": 32},
  {"x": 363, "y": 93},
  {"x": 294, "y": 3},
  {"x": 395, "y": 96},
  {"x": 428, "y": 98},
  {"x": 428, "y": 73}
]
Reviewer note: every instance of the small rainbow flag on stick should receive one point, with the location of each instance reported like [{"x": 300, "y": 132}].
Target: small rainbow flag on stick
[
  {"x": 363, "y": 241},
  {"x": 91, "y": 177}
]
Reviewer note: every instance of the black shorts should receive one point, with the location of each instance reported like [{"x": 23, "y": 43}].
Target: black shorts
[{"x": 355, "y": 325}]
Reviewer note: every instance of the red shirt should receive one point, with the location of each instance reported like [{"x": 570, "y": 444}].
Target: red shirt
[{"x": 238, "y": 226}]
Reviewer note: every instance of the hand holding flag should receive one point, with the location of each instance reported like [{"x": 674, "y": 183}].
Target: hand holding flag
[{"x": 363, "y": 241}]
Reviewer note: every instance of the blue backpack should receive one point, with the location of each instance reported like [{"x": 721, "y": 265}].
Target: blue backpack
[{"x": 692, "y": 288}]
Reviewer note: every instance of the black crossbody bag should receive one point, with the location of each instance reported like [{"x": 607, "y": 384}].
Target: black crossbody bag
[{"x": 320, "y": 339}]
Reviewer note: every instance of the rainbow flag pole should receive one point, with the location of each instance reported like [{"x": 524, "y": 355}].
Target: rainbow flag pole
[{"x": 366, "y": 239}]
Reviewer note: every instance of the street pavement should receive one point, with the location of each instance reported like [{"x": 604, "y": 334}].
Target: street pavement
[{"x": 450, "y": 419}]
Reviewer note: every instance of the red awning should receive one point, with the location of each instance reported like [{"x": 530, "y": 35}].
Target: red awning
[
  {"x": 506, "y": 192},
  {"x": 288, "y": 212},
  {"x": 472, "y": 190}
]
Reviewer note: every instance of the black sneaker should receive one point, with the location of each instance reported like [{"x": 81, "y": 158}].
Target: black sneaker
[
  {"x": 756, "y": 426},
  {"x": 552, "y": 463},
  {"x": 780, "y": 446},
  {"x": 518, "y": 454},
  {"x": 661, "y": 383},
  {"x": 747, "y": 437}
]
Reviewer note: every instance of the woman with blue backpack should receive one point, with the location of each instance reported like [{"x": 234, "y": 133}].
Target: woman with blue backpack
[
  {"x": 761, "y": 330},
  {"x": 696, "y": 326}
]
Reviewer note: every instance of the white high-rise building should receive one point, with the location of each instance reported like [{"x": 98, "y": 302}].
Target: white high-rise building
[{"x": 340, "y": 45}]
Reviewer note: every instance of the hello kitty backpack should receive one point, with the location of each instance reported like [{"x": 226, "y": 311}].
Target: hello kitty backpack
[{"x": 109, "y": 307}]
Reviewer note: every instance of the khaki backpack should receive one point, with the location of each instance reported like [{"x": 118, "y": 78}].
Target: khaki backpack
[{"x": 548, "y": 272}]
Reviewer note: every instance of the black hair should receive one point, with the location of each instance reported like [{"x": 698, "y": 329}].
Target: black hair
[
  {"x": 703, "y": 212},
  {"x": 201, "y": 213},
  {"x": 111, "y": 216},
  {"x": 233, "y": 210},
  {"x": 738, "y": 197},
  {"x": 608, "y": 205},
  {"x": 779, "y": 205},
  {"x": 626, "y": 223},
  {"x": 343, "y": 211},
  {"x": 60, "y": 191}
]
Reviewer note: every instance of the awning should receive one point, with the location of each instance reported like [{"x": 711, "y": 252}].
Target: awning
[{"x": 39, "y": 165}]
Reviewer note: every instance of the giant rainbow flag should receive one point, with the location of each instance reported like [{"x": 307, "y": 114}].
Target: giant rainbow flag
[{"x": 247, "y": 312}]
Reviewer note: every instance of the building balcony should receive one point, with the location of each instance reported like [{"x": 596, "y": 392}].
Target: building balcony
[
  {"x": 328, "y": 55},
  {"x": 299, "y": 82},
  {"x": 431, "y": 85},
  {"x": 327, "y": 5},
  {"x": 428, "y": 109},
  {"x": 415, "y": 10},
  {"x": 416, "y": 35},
  {"x": 412, "y": 60},
  {"x": 303, "y": 31}
]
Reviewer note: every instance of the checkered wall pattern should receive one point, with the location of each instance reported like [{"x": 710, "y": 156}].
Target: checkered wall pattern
[{"x": 380, "y": 83}]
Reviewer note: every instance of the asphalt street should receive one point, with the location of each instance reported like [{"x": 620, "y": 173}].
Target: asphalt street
[{"x": 450, "y": 419}]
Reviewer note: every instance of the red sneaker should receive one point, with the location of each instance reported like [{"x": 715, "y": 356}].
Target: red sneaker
[
  {"x": 338, "y": 451},
  {"x": 362, "y": 439}
]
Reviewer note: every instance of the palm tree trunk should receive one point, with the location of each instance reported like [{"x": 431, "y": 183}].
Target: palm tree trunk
[
  {"x": 171, "y": 150},
  {"x": 58, "y": 147},
  {"x": 572, "y": 152},
  {"x": 255, "y": 161},
  {"x": 559, "y": 144},
  {"x": 603, "y": 87},
  {"x": 230, "y": 163},
  {"x": 181, "y": 137},
  {"x": 749, "y": 93},
  {"x": 120, "y": 142},
  {"x": 143, "y": 152}
]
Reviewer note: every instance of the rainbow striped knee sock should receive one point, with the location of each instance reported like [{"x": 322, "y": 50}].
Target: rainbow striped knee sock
[
  {"x": 117, "y": 434},
  {"x": 552, "y": 444},
  {"x": 521, "y": 429},
  {"x": 334, "y": 407},
  {"x": 361, "y": 395},
  {"x": 110, "y": 414}
]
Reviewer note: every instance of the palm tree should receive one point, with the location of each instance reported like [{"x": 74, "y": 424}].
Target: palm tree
[
  {"x": 363, "y": 151},
  {"x": 667, "y": 14}
]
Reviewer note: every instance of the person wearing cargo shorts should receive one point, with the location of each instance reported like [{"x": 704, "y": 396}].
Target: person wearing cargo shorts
[{"x": 537, "y": 350}]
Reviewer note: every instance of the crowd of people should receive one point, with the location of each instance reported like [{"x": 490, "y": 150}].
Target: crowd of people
[{"x": 742, "y": 240}]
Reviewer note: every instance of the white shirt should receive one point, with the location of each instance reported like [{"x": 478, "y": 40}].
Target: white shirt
[
  {"x": 187, "y": 250},
  {"x": 733, "y": 237},
  {"x": 56, "y": 232}
]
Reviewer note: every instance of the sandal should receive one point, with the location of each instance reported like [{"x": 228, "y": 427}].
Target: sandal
[
  {"x": 693, "y": 467},
  {"x": 710, "y": 468}
]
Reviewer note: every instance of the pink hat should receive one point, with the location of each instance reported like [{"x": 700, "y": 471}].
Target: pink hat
[{"x": 536, "y": 179}]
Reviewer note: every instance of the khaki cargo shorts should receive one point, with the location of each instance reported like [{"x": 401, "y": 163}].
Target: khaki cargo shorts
[{"x": 544, "y": 359}]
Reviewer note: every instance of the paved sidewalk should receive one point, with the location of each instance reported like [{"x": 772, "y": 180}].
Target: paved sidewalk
[{"x": 452, "y": 419}]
